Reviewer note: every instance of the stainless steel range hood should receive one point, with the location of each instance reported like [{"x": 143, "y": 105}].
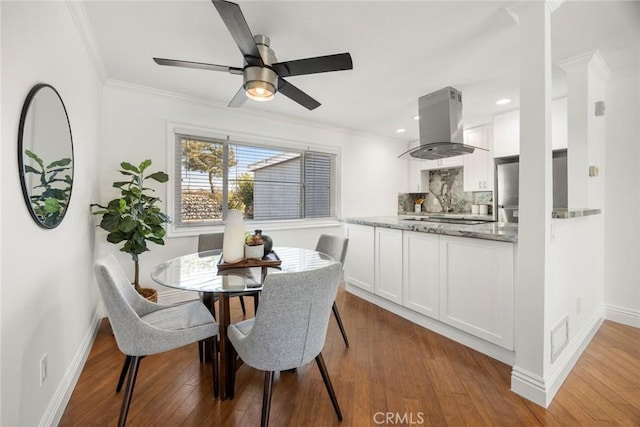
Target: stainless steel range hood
[{"x": 440, "y": 127}]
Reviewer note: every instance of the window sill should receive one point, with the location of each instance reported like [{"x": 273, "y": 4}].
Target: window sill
[{"x": 268, "y": 226}]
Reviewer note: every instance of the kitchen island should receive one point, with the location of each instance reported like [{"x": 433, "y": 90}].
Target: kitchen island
[{"x": 455, "y": 279}]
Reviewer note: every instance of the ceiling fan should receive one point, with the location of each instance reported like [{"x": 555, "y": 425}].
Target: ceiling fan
[{"x": 262, "y": 75}]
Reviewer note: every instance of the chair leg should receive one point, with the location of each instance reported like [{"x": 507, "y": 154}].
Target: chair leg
[
  {"x": 256, "y": 301},
  {"x": 244, "y": 311},
  {"x": 327, "y": 384},
  {"x": 266, "y": 398},
  {"x": 123, "y": 373},
  {"x": 209, "y": 301},
  {"x": 215, "y": 364},
  {"x": 339, "y": 320},
  {"x": 131, "y": 382}
]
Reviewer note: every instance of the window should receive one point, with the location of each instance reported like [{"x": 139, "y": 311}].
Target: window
[{"x": 266, "y": 183}]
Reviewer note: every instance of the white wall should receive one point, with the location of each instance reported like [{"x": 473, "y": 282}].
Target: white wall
[
  {"x": 48, "y": 296},
  {"x": 135, "y": 128},
  {"x": 622, "y": 205},
  {"x": 574, "y": 292}
]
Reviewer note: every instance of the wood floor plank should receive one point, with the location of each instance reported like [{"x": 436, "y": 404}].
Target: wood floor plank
[{"x": 393, "y": 371}]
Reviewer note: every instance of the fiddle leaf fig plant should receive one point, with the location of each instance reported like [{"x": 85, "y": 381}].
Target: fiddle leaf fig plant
[
  {"x": 52, "y": 190},
  {"x": 134, "y": 218}
]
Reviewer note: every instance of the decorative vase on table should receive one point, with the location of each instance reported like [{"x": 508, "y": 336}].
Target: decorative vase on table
[
  {"x": 268, "y": 241},
  {"x": 233, "y": 240}
]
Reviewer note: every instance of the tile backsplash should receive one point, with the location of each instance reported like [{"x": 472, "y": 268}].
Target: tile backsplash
[{"x": 446, "y": 195}]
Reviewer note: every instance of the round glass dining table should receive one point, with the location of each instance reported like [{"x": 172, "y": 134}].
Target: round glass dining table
[{"x": 201, "y": 272}]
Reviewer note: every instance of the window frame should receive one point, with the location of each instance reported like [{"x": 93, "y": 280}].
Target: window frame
[{"x": 175, "y": 128}]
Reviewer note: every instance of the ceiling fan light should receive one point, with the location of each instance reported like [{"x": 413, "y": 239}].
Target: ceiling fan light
[
  {"x": 260, "y": 91},
  {"x": 260, "y": 83}
]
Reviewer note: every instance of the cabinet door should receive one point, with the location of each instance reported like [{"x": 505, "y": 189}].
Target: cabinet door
[
  {"x": 388, "y": 279},
  {"x": 506, "y": 130},
  {"x": 476, "y": 287},
  {"x": 447, "y": 162},
  {"x": 421, "y": 272},
  {"x": 506, "y": 134},
  {"x": 359, "y": 265},
  {"x": 478, "y": 171}
]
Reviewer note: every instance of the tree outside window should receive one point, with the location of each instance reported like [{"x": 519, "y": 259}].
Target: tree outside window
[{"x": 265, "y": 182}]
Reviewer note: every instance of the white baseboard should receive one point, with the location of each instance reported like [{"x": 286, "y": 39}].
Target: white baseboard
[
  {"x": 541, "y": 391},
  {"x": 622, "y": 315},
  {"x": 484, "y": 347},
  {"x": 529, "y": 385},
  {"x": 60, "y": 399}
]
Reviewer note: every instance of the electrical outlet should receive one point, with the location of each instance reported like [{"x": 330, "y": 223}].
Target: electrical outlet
[{"x": 43, "y": 369}]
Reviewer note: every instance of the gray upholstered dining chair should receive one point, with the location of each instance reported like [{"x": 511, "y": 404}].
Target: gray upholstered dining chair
[
  {"x": 142, "y": 327},
  {"x": 290, "y": 327},
  {"x": 336, "y": 248},
  {"x": 213, "y": 242}
]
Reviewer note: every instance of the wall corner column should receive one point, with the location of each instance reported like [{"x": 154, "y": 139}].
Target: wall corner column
[
  {"x": 586, "y": 77},
  {"x": 534, "y": 235}
]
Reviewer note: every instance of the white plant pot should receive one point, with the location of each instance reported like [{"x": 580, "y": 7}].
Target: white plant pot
[{"x": 256, "y": 252}]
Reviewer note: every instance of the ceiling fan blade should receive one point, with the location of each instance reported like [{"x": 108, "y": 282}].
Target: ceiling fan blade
[
  {"x": 199, "y": 65},
  {"x": 318, "y": 64},
  {"x": 239, "y": 29},
  {"x": 295, "y": 94},
  {"x": 239, "y": 98}
]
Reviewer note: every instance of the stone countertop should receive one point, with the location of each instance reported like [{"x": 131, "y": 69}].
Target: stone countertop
[
  {"x": 499, "y": 231},
  {"x": 573, "y": 213}
]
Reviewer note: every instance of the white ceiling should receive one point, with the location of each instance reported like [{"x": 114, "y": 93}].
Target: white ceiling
[{"x": 400, "y": 50}]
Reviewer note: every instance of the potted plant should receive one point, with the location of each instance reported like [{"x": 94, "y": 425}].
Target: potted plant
[
  {"x": 50, "y": 195},
  {"x": 254, "y": 246},
  {"x": 134, "y": 218}
]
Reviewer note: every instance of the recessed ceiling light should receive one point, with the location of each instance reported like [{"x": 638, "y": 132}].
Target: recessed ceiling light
[
  {"x": 416, "y": 118},
  {"x": 503, "y": 101},
  {"x": 400, "y": 130}
]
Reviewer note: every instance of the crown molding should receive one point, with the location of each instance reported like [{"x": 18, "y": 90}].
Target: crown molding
[
  {"x": 81, "y": 19},
  {"x": 592, "y": 59},
  {"x": 514, "y": 10},
  {"x": 246, "y": 110}
]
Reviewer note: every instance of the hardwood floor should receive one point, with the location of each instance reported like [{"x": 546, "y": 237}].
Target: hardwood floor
[{"x": 393, "y": 369}]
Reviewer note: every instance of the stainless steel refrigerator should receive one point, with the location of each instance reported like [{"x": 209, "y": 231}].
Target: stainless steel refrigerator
[{"x": 507, "y": 191}]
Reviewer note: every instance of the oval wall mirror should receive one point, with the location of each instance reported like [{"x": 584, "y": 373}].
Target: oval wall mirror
[{"x": 45, "y": 155}]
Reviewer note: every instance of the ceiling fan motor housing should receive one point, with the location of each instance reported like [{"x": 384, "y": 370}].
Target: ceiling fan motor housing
[
  {"x": 260, "y": 81},
  {"x": 263, "y": 43}
]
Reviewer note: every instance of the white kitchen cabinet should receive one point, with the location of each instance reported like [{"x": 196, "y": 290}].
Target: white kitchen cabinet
[
  {"x": 388, "y": 264},
  {"x": 447, "y": 162},
  {"x": 506, "y": 130},
  {"x": 478, "y": 166},
  {"x": 476, "y": 287},
  {"x": 421, "y": 272},
  {"x": 360, "y": 263},
  {"x": 506, "y": 134}
]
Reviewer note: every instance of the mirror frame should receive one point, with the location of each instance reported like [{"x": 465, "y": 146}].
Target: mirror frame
[{"x": 21, "y": 155}]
